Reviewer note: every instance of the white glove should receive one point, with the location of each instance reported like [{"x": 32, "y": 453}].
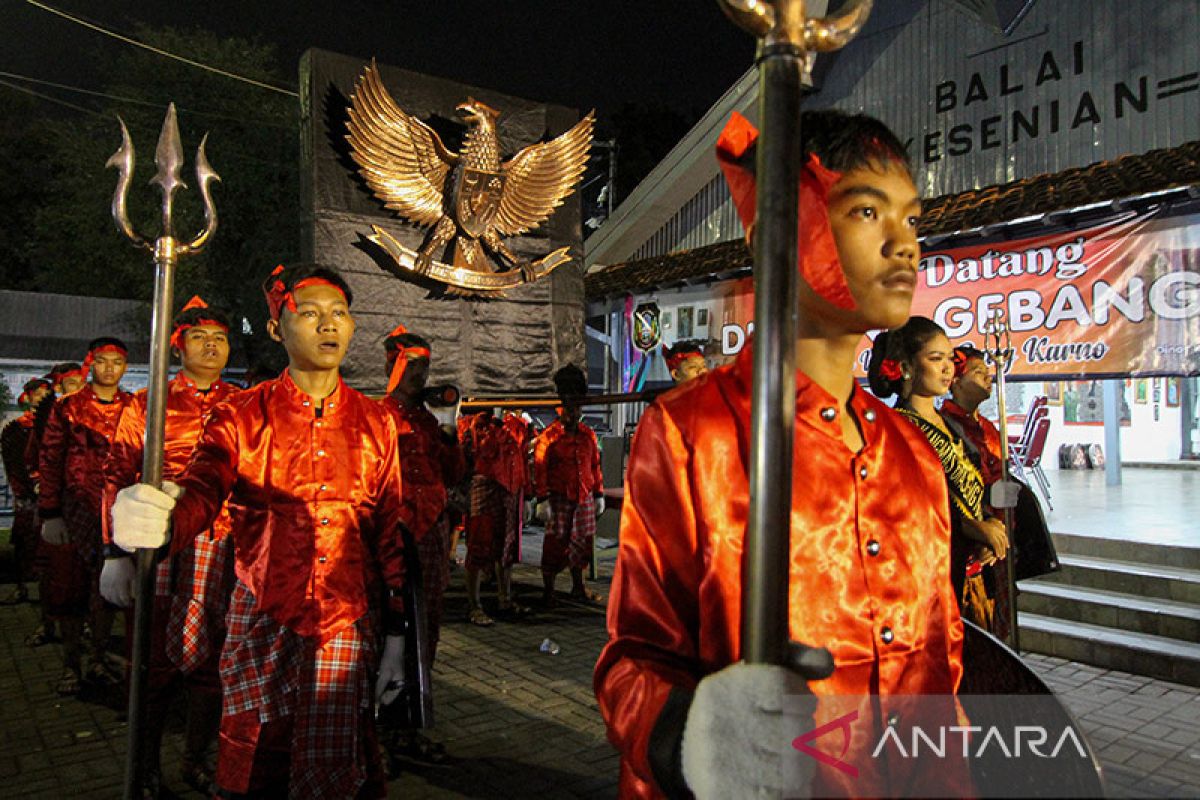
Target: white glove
[
  {"x": 739, "y": 731},
  {"x": 543, "y": 512},
  {"x": 54, "y": 531},
  {"x": 141, "y": 515},
  {"x": 391, "y": 671},
  {"x": 1004, "y": 494},
  {"x": 599, "y": 505},
  {"x": 447, "y": 416},
  {"x": 116, "y": 581}
]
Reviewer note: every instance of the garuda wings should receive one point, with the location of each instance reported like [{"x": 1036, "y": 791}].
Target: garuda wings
[{"x": 470, "y": 198}]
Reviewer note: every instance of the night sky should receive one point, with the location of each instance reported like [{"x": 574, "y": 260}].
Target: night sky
[{"x": 579, "y": 53}]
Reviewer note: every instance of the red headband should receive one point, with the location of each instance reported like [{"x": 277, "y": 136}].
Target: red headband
[
  {"x": 90, "y": 358},
  {"x": 400, "y": 362},
  {"x": 676, "y": 360},
  {"x": 818, "y": 256},
  {"x": 181, "y": 330},
  {"x": 279, "y": 296}
]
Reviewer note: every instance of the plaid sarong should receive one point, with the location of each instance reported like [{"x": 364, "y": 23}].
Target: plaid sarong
[
  {"x": 198, "y": 582},
  {"x": 569, "y": 534},
  {"x": 269, "y": 669},
  {"x": 432, "y": 552},
  {"x": 493, "y": 524}
]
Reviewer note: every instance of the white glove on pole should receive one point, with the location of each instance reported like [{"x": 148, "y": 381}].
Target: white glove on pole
[
  {"x": 543, "y": 512},
  {"x": 141, "y": 515},
  {"x": 391, "y": 671},
  {"x": 54, "y": 531},
  {"x": 116, "y": 581},
  {"x": 599, "y": 505},
  {"x": 1004, "y": 494},
  {"x": 737, "y": 735},
  {"x": 447, "y": 416}
]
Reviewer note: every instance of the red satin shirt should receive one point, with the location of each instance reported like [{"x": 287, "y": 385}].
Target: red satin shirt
[
  {"x": 496, "y": 449},
  {"x": 980, "y": 432},
  {"x": 430, "y": 461},
  {"x": 73, "y": 450},
  {"x": 315, "y": 501},
  {"x": 188, "y": 408},
  {"x": 14, "y": 440},
  {"x": 869, "y": 561},
  {"x": 567, "y": 463}
]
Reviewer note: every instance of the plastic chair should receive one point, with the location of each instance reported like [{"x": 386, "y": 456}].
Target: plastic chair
[
  {"x": 1038, "y": 408},
  {"x": 1030, "y": 458}
]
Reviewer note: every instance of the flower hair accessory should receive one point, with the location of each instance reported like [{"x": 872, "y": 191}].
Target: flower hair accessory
[{"x": 891, "y": 370}]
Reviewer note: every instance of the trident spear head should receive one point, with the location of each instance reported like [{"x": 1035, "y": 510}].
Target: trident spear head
[
  {"x": 785, "y": 22},
  {"x": 124, "y": 160},
  {"x": 169, "y": 158}
]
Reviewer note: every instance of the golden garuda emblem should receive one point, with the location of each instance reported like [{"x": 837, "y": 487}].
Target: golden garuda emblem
[{"x": 470, "y": 199}]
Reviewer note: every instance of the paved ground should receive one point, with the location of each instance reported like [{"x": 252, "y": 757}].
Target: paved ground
[
  {"x": 523, "y": 723},
  {"x": 1153, "y": 506}
]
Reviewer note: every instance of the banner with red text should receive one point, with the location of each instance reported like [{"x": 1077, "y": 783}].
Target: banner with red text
[{"x": 1122, "y": 298}]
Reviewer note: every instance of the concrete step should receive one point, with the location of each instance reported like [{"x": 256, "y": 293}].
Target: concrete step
[
  {"x": 1125, "y": 550},
  {"x": 1139, "y": 653},
  {"x": 1128, "y": 577},
  {"x": 1156, "y": 616}
]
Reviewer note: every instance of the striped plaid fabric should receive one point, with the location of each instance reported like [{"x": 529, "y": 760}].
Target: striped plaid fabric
[
  {"x": 203, "y": 580},
  {"x": 569, "y": 534},
  {"x": 432, "y": 551},
  {"x": 268, "y": 668},
  {"x": 492, "y": 510}
]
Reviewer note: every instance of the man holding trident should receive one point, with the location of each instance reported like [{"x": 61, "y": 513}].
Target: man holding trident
[
  {"x": 309, "y": 470},
  {"x": 698, "y": 673}
]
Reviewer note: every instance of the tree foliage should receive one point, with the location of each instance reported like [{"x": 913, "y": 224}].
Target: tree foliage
[{"x": 68, "y": 242}]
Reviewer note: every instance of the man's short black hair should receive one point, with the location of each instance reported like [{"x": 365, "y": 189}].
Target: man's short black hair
[
  {"x": 106, "y": 341},
  {"x": 33, "y": 384},
  {"x": 194, "y": 316},
  {"x": 63, "y": 368},
  {"x": 570, "y": 381},
  {"x": 849, "y": 141},
  {"x": 298, "y": 272},
  {"x": 685, "y": 346}
]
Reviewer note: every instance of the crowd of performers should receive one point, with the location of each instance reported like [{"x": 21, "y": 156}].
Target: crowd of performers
[
  {"x": 297, "y": 514},
  {"x": 296, "y": 520}
]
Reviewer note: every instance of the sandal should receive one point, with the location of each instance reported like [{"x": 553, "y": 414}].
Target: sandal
[
  {"x": 102, "y": 673},
  {"x": 421, "y": 750},
  {"x": 477, "y": 616},
  {"x": 198, "y": 776},
  {"x": 587, "y": 596},
  {"x": 68, "y": 683},
  {"x": 40, "y": 636}
]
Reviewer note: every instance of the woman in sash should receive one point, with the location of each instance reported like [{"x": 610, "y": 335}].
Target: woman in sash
[{"x": 915, "y": 362}]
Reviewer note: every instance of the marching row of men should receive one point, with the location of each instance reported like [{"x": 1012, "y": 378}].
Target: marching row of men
[
  {"x": 295, "y": 510},
  {"x": 309, "y": 473}
]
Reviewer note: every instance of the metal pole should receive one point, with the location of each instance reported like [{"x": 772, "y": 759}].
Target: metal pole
[
  {"x": 167, "y": 250},
  {"x": 1112, "y": 431},
  {"x": 773, "y": 399},
  {"x": 998, "y": 330},
  {"x": 152, "y": 472},
  {"x": 788, "y": 40}
]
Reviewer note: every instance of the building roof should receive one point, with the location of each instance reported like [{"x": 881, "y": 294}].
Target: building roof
[
  {"x": 1039, "y": 199},
  {"x": 36, "y": 326}
]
